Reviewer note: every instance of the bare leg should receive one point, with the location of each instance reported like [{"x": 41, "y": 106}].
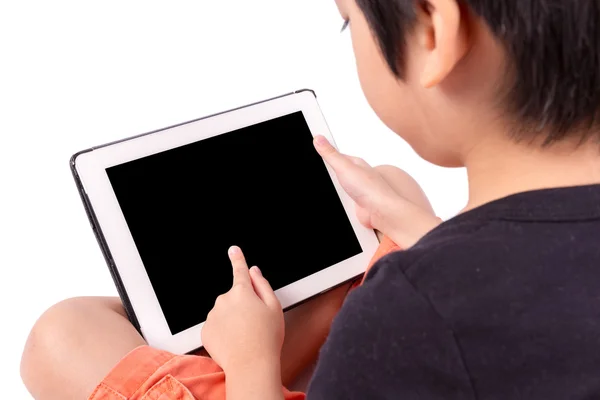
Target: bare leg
[{"x": 74, "y": 345}]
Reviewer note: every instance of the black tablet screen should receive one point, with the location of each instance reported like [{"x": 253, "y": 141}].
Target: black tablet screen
[{"x": 263, "y": 188}]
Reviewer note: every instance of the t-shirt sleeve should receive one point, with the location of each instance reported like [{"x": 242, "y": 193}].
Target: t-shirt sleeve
[{"x": 389, "y": 342}]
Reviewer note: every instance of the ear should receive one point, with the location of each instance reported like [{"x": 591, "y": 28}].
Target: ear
[{"x": 444, "y": 37}]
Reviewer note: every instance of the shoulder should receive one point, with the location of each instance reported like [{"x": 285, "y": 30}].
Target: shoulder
[
  {"x": 406, "y": 291},
  {"x": 453, "y": 264},
  {"x": 459, "y": 244},
  {"x": 388, "y": 328},
  {"x": 468, "y": 271}
]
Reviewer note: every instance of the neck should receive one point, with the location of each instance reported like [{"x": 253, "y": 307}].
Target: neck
[{"x": 499, "y": 168}]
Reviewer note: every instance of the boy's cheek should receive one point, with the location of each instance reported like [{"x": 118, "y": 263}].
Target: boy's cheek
[
  {"x": 391, "y": 99},
  {"x": 340, "y": 6},
  {"x": 373, "y": 72}
]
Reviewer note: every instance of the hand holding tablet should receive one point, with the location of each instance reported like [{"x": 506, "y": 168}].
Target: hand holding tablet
[
  {"x": 249, "y": 313},
  {"x": 164, "y": 212}
]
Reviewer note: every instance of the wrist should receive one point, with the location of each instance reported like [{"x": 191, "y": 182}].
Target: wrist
[
  {"x": 257, "y": 380},
  {"x": 259, "y": 365}
]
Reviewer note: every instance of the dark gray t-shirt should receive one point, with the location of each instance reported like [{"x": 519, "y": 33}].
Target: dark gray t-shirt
[{"x": 501, "y": 302}]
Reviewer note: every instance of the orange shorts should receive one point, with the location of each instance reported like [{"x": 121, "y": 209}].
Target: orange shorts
[{"x": 150, "y": 374}]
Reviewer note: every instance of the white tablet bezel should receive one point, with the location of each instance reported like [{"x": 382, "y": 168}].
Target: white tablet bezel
[{"x": 91, "y": 168}]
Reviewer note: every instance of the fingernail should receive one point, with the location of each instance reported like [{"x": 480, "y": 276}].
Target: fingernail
[
  {"x": 234, "y": 251},
  {"x": 321, "y": 141},
  {"x": 257, "y": 270}
]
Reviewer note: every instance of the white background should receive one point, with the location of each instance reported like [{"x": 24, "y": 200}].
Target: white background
[{"x": 74, "y": 74}]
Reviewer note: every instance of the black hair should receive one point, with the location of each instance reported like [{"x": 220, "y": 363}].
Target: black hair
[{"x": 553, "y": 49}]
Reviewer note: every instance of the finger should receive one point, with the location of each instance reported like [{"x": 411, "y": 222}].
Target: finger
[
  {"x": 359, "y": 161},
  {"x": 240, "y": 268},
  {"x": 205, "y": 335},
  {"x": 218, "y": 301},
  {"x": 364, "y": 217},
  {"x": 353, "y": 172},
  {"x": 337, "y": 160},
  {"x": 263, "y": 288}
]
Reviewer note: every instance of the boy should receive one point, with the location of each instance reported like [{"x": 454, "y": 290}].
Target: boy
[{"x": 501, "y": 302}]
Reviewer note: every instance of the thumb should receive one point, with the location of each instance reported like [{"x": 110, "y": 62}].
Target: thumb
[{"x": 263, "y": 289}]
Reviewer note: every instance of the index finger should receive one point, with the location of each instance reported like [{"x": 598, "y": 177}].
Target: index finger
[
  {"x": 330, "y": 154},
  {"x": 240, "y": 267}
]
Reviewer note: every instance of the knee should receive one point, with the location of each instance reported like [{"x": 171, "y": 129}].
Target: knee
[{"x": 47, "y": 340}]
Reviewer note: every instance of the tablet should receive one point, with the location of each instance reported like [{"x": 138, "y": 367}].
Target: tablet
[{"x": 165, "y": 207}]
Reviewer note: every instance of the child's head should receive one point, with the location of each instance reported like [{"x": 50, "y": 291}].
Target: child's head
[{"x": 448, "y": 74}]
